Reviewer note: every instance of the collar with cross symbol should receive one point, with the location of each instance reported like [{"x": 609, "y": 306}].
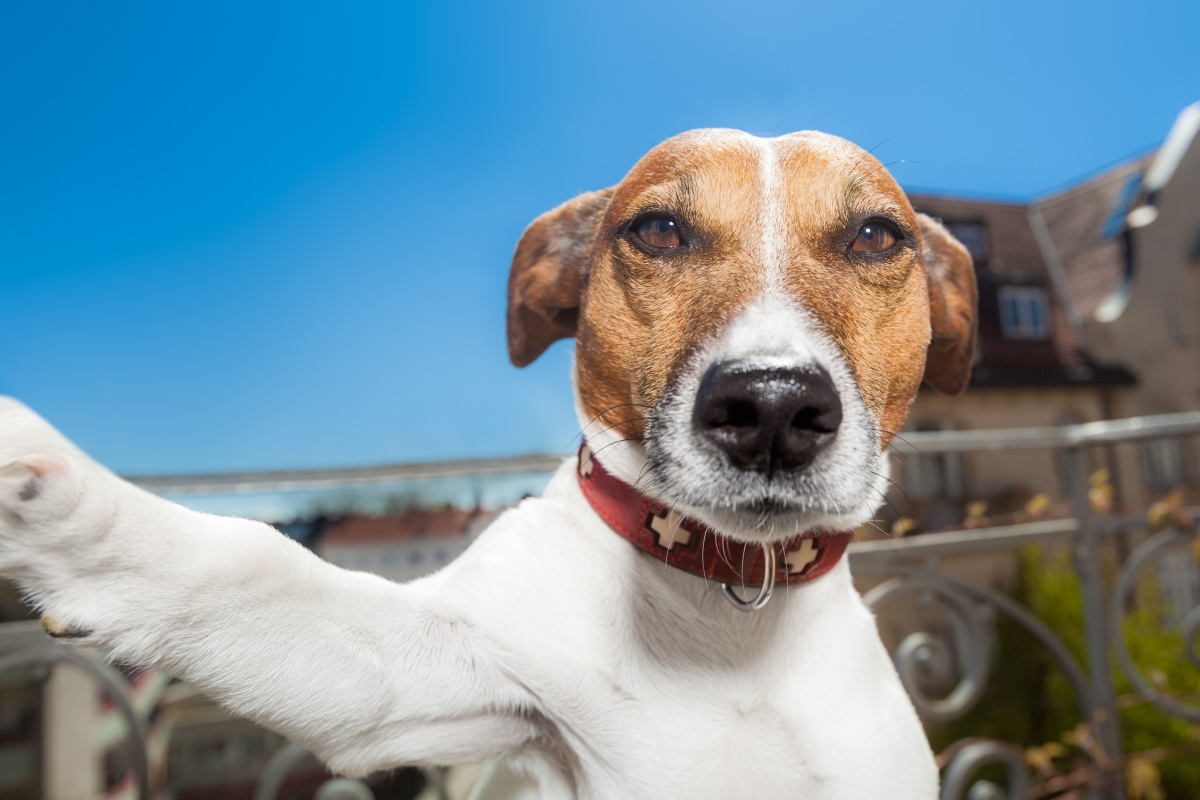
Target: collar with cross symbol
[{"x": 693, "y": 547}]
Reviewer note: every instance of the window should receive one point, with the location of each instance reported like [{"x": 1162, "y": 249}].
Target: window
[
  {"x": 973, "y": 236},
  {"x": 1024, "y": 312},
  {"x": 1163, "y": 459}
]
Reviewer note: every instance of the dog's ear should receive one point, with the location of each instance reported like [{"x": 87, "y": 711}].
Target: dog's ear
[
  {"x": 953, "y": 298},
  {"x": 545, "y": 286}
]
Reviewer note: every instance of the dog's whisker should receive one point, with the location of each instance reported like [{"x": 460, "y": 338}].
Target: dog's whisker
[
  {"x": 899, "y": 488},
  {"x": 594, "y": 453},
  {"x": 725, "y": 556},
  {"x": 896, "y": 435},
  {"x": 885, "y": 166},
  {"x": 872, "y": 151},
  {"x": 616, "y": 425},
  {"x": 871, "y": 522},
  {"x": 583, "y": 431},
  {"x": 884, "y": 498}
]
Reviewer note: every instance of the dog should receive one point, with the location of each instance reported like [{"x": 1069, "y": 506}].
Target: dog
[{"x": 672, "y": 619}]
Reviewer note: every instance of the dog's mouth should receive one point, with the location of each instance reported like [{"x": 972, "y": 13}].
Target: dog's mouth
[
  {"x": 765, "y": 451},
  {"x": 756, "y": 497},
  {"x": 752, "y": 506},
  {"x": 762, "y": 434}
]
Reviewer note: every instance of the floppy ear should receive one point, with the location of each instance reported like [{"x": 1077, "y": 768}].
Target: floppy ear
[
  {"x": 953, "y": 298},
  {"x": 545, "y": 286}
]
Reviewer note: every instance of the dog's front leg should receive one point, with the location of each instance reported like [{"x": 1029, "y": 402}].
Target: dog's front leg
[{"x": 366, "y": 673}]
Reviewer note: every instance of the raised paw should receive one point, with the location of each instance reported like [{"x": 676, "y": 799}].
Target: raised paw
[
  {"x": 38, "y": 488},
  {"x": 42, "y": 478}
]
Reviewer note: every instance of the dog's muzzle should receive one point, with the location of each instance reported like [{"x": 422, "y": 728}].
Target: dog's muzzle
[{"x": 767, "y": 419}]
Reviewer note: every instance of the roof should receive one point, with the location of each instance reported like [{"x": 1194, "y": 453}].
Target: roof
[
  {"x": 1179, "y": 141},
  {"x": 1093, "y": 259},
  {"x": 1081, "y": 259},
  {"x": 1011, "y": 244},
  {"x": 419, "y": 524},
  {"x": 1013, "y": 257}
]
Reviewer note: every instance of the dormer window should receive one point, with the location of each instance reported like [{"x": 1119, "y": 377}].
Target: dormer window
[{"x": 1024, "y": 312}]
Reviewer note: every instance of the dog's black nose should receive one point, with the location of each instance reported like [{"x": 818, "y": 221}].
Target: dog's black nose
[{"x": 767, "y": 419}]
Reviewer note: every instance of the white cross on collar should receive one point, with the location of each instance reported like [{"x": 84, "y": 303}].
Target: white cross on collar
[
  {"x": 800, "y": 558},
  {"x": 667, "y": 525}
]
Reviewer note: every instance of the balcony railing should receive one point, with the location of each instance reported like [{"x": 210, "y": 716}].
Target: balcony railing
[{"x": 957, "y": 653}]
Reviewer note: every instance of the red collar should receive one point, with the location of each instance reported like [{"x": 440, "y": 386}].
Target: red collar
[{"x": 694, "y": 547}]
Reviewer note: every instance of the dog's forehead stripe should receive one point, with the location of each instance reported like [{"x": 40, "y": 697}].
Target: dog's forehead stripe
[{"x": 772, "y": 223}]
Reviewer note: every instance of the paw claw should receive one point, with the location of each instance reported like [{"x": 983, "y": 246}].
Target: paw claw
[{"x": 57, "y": 630}]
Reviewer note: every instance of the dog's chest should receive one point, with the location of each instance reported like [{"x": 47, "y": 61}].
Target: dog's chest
[
  {"x": 825, "y": 719},
  {"x": 716, "y": 737},
  {"x": 652, "y": 686},
  {"x": 676, "y": 739},
  {"x": 725, "y": 748}
]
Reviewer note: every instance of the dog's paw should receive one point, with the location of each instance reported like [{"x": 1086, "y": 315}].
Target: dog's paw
[
  {"x": 41, "y": 486},
  {"x": 38, "y": 488}
]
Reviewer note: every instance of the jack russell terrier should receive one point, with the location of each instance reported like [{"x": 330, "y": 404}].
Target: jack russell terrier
[{"x": 752, "y": 319}]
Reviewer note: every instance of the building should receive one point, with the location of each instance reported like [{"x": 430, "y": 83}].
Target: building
[
  {"x": 404, "y": 546},
  {"x": 1089, "y": 309}
]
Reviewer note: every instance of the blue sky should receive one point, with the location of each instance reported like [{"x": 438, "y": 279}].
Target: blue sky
[{"x": 242, "y": 235}]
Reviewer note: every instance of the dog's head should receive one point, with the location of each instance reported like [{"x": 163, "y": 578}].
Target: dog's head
[{"x": 753, "y": 318}]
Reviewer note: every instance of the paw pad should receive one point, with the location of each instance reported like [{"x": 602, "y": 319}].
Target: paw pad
[
  {"x": 38, "y": 487},
  {"x": 30, "y": 491}
]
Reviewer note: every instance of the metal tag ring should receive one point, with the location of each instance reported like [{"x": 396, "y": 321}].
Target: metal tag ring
[{"x": 764, "y": 593}]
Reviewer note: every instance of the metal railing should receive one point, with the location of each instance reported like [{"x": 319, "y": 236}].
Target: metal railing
[
  {"x": 962, "y": 648},
  {"x": 912, "y": 566}
]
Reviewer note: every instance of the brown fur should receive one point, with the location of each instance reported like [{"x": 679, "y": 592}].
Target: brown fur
[
  {"x": 546, "y": 281},
  {"x": 637, "y": 317},
  {"x": 952, "y": 307}
]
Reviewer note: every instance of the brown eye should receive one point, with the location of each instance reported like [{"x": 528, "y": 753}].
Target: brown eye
[
  {"x": 657, "y": 230},
  {"x": 875, "y": 237}
]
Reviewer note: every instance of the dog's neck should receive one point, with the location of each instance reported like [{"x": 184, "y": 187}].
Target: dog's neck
[{"x": 692, "y": 547}]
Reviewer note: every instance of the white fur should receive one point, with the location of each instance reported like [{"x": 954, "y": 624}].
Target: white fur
[
  {"x": 550, "y": 639},
  {"x": 839, "y": 491},
  {"x": 772, "y": 224}
]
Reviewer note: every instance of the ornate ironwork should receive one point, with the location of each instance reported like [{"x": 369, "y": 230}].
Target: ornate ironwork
[
  {"x": 1150, "y": 549},
  {"x": 51, "y": 653},
  {"x": 966, "y": 758}
]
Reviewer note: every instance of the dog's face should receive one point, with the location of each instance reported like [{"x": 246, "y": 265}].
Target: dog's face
[{"x": 753, "y": 319}]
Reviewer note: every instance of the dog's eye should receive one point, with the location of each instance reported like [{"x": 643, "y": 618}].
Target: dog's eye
[
  {"x": 657, "y": 230},
  {"x": 875, "y": 237}
]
